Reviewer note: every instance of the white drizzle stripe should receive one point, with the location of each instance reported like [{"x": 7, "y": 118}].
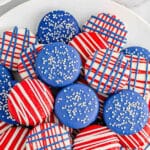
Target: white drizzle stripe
[
  {"x": 115, "y": 146},
  {"x": 4, "y": 127},
  {"x": 23, "y": 135},
  {"x": 96, "y": 138},
  {"x": 101, "y": 39},
  {"x": 93, "y": 136},
  {"x": 102, "y": 130},
  {"x": 47, "y": 94},
  {"x": 28, "y": 99},
  {"x": 93, "y": 41},
  {"x": 4, "y": 136},
  {"x": 12, "y": 138},
  {"x": 87, "y": 43},
  {"x": 103, "y": 145},
  {"x": 78, "y": 48},
  {"x": 20, "y": 111},
  {"x": 38, "y": 97},
  {"x": 84, "y": 37}
]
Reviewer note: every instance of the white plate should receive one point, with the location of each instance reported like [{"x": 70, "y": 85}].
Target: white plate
[{"x": 30, "y": 13}]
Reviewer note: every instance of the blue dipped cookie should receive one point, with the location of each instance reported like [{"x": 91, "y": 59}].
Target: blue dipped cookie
[
  {"x": 125, "y": 112},
  {"x": 58, "y": 64},
  {"x": 76, "y": 106},
  {"x": 138, "y": 51},
  {"x": 57, "y": 26}
]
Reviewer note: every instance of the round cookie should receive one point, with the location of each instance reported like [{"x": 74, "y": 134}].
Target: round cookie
[
  {"x": 125, "y": 112},
  {"x": 96, "y": 137},
  {"x": 76, "y": 106},
  {"x": 30, "y": 102},
  {"x": 58, "y": 64},
  {"x": 107, "y": 72},
  {"x": 14, "y": 138},
  {"x": 26, "y": 64},
  {"x": 4, "y": 127},
  {"x": 137, "y": 140},
  {"x": 110, "y": 27},
  {"x": 57, "y": 26},
  {"x": 48, "y": 136},
  {"x": 88, "y": 42},
  {"x": 13, "y": 42}
]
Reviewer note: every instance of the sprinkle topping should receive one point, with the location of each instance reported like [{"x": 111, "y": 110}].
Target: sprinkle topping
[
  {"x": 58, "y": 64},
  {"x": 126, "y": 112},
  {"x": 5, "y": 75},
  {"x": 4, "y": 112},
  {"x": 57, "y": 26},
  {"x": 78, "y": 104}
]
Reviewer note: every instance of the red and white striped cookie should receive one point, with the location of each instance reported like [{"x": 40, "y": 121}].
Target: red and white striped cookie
[
  {"x": 26, "y": 64},
  {"x": 87, "y": 43},
  {"x": 12, "y": 43},
  {"x": 53, "y": 119},
  {"x": 139, "y": 78},
  {"x": 48, "y": 136},
  {"x": 4, "y": 126},
  {"x": 107, "y": 72},
  {"x": 136, "y": 140},
  {"x": 96, "y": 137},
  {"x": 111, "y": 29},
  {"x": 14, "y": 138},
  {"x": 30, "y": 102}
]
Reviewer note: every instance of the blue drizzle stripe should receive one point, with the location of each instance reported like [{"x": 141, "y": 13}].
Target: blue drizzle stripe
[
  {"x": 122, "y": 75},
  {"x": 115, "y": 76},
  {"x": 32, "y": 51},
  {"x": 89, "y": 70},
  {"x": 148, "y": 146},
  {"x": 146, "y": 80},
  {"x": 111, "y": 33},
  {"x": 35, "y": 52},
  {"x": 9, "y": 45},
  {"x": 107, "y": 36},
  {"x": 28, "y": 42},
  {"x": 40, "y": 132},
  {"x": 108, "y": 22},
  {"x": 114, "y": 18},
  {"x": 44, "y": 138},
  {"x": 129, "y": 81},
  {"x": 24, "y": 38},
  {"x": 107, "y": 63},
  {"x": 110, "y": 74},
  {"x": 15, "y": 33},
  {"x": 136, "y": 72}
]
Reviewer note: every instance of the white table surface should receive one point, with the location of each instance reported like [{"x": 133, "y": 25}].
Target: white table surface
[{"x": 142, "y": 10}]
